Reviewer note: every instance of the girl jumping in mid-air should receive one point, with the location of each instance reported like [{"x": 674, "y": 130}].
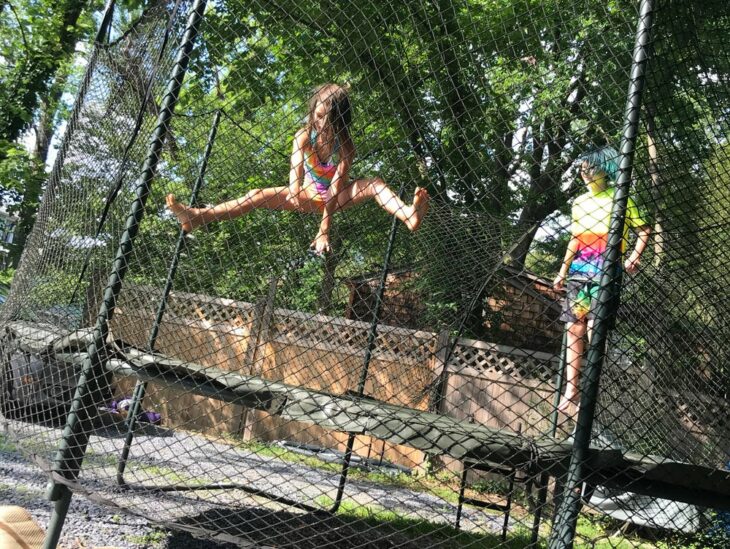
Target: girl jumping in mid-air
[{"x": 317, "y": 183}]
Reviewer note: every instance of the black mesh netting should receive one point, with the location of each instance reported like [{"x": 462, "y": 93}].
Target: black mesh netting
[{"x": 406, "y": 388}]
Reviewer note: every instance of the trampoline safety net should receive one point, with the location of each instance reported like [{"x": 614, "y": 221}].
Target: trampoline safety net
[{"x": 452, "y": 274}]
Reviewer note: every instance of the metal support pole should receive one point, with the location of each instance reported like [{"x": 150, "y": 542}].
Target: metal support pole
[
  {"x": 106, "y": 21},
  {"x": 559, "y": 380},
  {"x": 567, "y": 516},
  {"x": 544, "y": 477},
  {"x": 372, "y": 334},
  {"x": 58, "y": 516},
  {"x": 554, "y": 416},
  {"x": 141, "y": 386},
  {"x": 79, "y": 421}
]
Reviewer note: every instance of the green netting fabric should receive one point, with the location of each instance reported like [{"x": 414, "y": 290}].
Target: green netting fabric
[{"x": 375, "y": 395}]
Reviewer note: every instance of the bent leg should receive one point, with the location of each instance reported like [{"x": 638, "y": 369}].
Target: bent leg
[
  {"x": 271, "y": 198},
  {"x": 376, "y": 189}
]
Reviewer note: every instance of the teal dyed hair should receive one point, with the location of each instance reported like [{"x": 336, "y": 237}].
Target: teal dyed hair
[{"x": 604, "y": 159}]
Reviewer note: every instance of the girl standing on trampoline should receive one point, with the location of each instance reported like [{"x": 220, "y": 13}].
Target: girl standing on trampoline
[
  {"x": 584, "y": 260},
  {"x": 317, "y": 182}
]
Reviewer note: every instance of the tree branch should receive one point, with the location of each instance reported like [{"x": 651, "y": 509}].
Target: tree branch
[{"x": 20, "y": 28}]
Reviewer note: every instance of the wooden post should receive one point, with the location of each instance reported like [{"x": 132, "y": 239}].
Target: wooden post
[
  {"x": 260, "y": 334},
  {"x": 94, "y": 297},
  {"x": 267, "y": 320},
  {"x": 437, "y": 364}
]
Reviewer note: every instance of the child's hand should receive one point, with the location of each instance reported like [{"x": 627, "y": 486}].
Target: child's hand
[
  {"x": 559, "y": 281},
  {"x": 292, "y": 196},
  {"x": 321, "y": 244},
  {"x": 631, "y": 265}
]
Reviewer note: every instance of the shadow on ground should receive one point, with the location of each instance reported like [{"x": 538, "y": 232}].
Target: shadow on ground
[{"x": 283, "y": 529}]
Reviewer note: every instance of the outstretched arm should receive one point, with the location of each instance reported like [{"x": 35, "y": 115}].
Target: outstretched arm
[
  {"x": 321, "y": 242},
  {"x": 632, "y": 262}
]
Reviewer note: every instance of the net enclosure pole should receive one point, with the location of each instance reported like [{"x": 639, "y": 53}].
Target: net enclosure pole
[
  {"x": 372, "y": 334},
  {"x": 140, "y": 387},
  {"x": 608, "y": 297},
  {"x": 72, "y": 448},
  {"x": 106, "y": 20}
]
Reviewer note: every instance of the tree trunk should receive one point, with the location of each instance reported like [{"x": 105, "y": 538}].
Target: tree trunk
[
  {"x": 660, "y": 354},
  {"x": 38, "y": 70},
  {"x": 546, "y": 197},
  {"x": 45, "y": 129}
]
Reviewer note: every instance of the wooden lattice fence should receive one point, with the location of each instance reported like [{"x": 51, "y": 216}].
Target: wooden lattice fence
[{"x": 491, "y": 384}]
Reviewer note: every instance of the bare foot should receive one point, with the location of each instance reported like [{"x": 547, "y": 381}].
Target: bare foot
[
  {"x": 189, "y": 218},
  {"x": 420, "y": 205},
  {"x": 569, "y": 404}
]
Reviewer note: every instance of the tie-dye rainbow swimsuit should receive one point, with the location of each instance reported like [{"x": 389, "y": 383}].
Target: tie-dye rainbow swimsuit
[
  {"x": 318, "y": 174},
  {"x": 591, "y": 217}
]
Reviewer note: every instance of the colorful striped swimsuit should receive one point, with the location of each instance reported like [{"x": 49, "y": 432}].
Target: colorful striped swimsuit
[{"x": 317, "y": 173}]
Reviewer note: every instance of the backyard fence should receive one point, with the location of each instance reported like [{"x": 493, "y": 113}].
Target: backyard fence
[
  {"x": 492, "y": 384},
  {"x": 408, "y": 388}
]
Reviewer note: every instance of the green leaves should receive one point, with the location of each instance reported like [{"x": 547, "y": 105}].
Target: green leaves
[
  {"x": 485, "y": 102},
  {"x": 18, "y": 171},
  {"x": 36, "y": 50}
]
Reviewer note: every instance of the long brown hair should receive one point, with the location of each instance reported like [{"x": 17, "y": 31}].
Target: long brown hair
[{"x": 339, "y": 114}]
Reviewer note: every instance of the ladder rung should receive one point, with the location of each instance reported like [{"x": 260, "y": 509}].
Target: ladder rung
[{"x": 486, "y": 504}]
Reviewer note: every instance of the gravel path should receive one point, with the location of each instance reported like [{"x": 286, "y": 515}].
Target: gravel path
[
  {"x": 177, "y": 457},
  {"x": 88, "y": 524}
]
